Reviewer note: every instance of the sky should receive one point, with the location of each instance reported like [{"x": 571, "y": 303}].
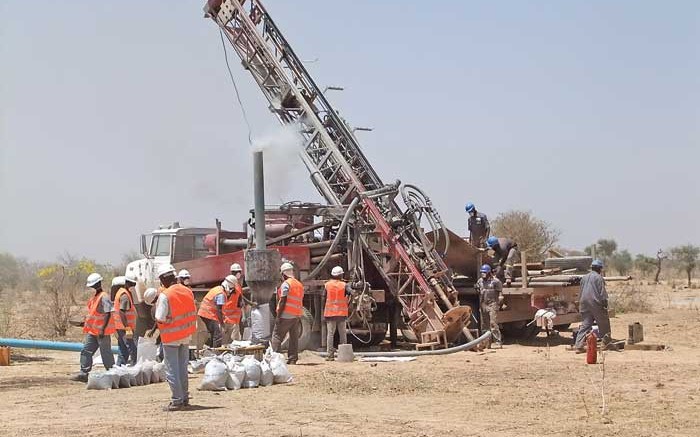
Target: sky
[{"x": 118, "y": 117}]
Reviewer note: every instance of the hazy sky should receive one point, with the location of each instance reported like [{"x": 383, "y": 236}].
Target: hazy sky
[{"x": 119, "y": 116}]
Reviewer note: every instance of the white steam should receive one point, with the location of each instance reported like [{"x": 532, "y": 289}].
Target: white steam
[{"x": 280, "y": 149}]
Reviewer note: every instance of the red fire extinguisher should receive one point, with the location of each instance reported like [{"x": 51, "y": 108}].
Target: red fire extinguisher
[{"x": 591, "y": 348}]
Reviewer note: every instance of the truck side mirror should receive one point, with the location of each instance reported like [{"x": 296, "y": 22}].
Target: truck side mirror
[{"x": 144, "y": 247}]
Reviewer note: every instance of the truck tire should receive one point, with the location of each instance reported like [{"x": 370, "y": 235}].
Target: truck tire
[
  {"x": 304, "y": 342},
  {"x": 582, "y": 264},
  {"x": 519, "y": 331}
]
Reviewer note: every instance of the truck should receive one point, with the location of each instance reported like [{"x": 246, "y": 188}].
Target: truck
[{"x": 417, "y": 277}]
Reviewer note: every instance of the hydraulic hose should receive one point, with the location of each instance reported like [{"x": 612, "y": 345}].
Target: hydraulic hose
[
  {"x": 450, "y": 350},
  {"x": 338, "y": 235}
]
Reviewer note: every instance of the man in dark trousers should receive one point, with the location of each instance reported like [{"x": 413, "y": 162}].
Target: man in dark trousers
[
  {"x": 478, "y": 225},
  {"x": 506, "y": 254},
  {"x": 593, "y": 305}
]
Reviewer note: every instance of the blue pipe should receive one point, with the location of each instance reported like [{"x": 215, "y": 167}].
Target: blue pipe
[{"x": 45, "y": 344}]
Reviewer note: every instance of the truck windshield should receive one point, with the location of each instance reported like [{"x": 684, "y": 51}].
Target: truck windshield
[{"x": 160, "y": 245}]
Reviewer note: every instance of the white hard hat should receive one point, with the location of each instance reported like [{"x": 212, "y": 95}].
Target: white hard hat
[
  {"x": 93, "y": 279},
  {"x": 184, "y": 274},
  {"x": 285, "y": 267},
  {"x": 337, "y": 271},
  {"x": 165, "y": 269},
  {"x": 235, "y": 267},
  {"x": 118, "y": 280},
  {"x": 131, "y": 276},
  {"x": 150, "y": 295},
  {"x": 229, "y": 282}
]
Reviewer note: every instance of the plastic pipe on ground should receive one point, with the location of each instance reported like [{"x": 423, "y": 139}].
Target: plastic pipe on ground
[
  {"x": 45, "y": 344},
  {"x": 450, "y": 350}
]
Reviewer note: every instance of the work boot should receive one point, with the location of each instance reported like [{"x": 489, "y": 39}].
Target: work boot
[
  {"x": 173, "y": 407},
  {"x": 330, "y": 356},
  {"x": 79, "y": 377}
]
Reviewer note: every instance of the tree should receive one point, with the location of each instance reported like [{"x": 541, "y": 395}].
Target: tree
[
  {"x": 532, "y": 234},
  {"x": 603, "y": 249},
  {"x": 621, "y": 262},
  {"x": 686, "y": 258},
  {"x": 660, "y": 256},
  {"x": 645, "y": 264}
]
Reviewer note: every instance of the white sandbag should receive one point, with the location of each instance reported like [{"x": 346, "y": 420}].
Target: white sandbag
[
  {"x": 135, "y": 376},
  {"x": 159, "y": 371},
  {"x": 115, "y": 377},
  {"x": 260, "y": 322},
  {"x": 198, "y": 366},
  {"x": 146, "y": 350},
  {"x": 280, "y": 371},
  {"x": 215, "y": 376},
  {"x": 234, "y": 380},
  {"x": 237, "y": 374},
  {"x": 266, "y": 376},
  {"x": 252, "y": 372},
  {"x": 99, "y": 381},
  {"x": 148, "y": 373}
]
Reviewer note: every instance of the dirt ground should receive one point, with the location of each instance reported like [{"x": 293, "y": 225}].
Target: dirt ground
[{"x": 521, "y": 390}]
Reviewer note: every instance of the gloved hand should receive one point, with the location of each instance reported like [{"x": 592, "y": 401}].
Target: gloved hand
[{"x": 152, "y": 332}]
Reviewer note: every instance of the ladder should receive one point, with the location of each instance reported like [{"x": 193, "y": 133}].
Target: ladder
[{"x": 391, "y": 236}]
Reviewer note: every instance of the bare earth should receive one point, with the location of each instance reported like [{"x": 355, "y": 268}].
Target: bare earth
[{"x": 521, "y": 390}]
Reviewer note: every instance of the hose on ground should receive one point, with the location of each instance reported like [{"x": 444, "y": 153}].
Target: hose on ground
[{"x": 450, "y": 350}]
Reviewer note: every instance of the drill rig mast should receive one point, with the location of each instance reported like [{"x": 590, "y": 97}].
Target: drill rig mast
[{"x": 391, "y": 236}]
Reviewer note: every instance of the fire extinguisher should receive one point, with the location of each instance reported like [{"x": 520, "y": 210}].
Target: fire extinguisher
[{"x": 591, "y": 348}]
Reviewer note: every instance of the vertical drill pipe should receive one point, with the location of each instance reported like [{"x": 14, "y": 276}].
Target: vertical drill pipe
[{"x": 259, "y": 198}]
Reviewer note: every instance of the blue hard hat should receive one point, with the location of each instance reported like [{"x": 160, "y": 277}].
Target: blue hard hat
[
  {"x": 485, "y": 268},
  {"x": 597, "y": 263},
  {"x": 469, "y": 207},
  {"x": 491, "y": 241}
]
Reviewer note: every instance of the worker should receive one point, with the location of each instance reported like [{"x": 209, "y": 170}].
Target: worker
[
  {"x": 237, "y": 271},
  {"x": 593, "y": 305},
  {"x": 490, "y": 291},
  {"x": 506, "y": 254},
  {"x": 117, "y": 283},
  {"x": 125, "y": 321},
  {"x": 478, "y": 225},
  {"x": 98, "y": 328},
  {"x": 232, "y": 309},
  {"x": 184, "y": 278},
  {"x": 211, "y": 311},
  {"x": 336, "y": 310},
  {"x": 176, "y": 318},
  {"x": 150, "y": 296},
  {"x": 290, "y": 299}
]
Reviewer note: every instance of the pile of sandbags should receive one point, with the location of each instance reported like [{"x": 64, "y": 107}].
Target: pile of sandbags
[
  {"x": 232, "y": 372},
  {"x": 144, "y": 373}
]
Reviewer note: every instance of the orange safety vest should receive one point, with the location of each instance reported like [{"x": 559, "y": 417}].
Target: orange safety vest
[
  {"x": 207, "y": 308},
  {"x": 130, "y": 313},
  {"x": 95, "y": 319},
  {"x": 295, "y": 298},
  {"x": 336, "y": 302},
  {"x": 183, "y": 314},
  {"x": 232, "y": 313}
]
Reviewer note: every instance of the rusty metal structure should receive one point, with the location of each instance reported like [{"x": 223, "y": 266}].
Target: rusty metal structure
[{"x": 376, "y": 228}]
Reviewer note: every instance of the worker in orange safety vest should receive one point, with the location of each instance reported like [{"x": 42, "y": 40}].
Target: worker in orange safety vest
[
  {"x": 98, "y": 327},
  {"x": 335, "y": 310},
  {"x": 176, "y": 318},
  {"x": 290, "y": 309},
  {"x": 125, "y": 321},
  {"x": 232, "y": 309},
  {"x": 211, "y": 311}
]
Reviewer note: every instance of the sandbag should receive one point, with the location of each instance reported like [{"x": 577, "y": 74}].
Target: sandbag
[
  {"x": 198, "y": 366},
  {"x": 252, "y": 372},
  {"x": 99, "y": 381},
  {"x": 266, "y": 376},
  {"x": 146, "y": 350},
  {"x": 115, "y": 377},
  {"x": 159, "y": 371},
  {"x": 215, "y": 376},
  {"x": 278, "y": 365},
  {"x": 260, "y": 322},
  {"x": 135, "y": 375},
  {"x": 236, "y": 372}
]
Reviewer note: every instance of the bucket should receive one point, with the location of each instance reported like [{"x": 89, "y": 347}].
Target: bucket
[
  {"x": 4, "y": 356},
  {"x": 345, "y": 354}
]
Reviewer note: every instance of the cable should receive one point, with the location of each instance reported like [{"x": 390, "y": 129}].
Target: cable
[{"x": 235, "y": 87}]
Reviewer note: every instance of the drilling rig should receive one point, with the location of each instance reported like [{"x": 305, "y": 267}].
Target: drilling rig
[{"x": 376, "y": 226}]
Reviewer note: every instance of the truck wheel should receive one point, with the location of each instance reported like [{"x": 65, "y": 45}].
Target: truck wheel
[
  {"x": 581, "y": 263},
  {"x": 304, "y": 342},
  {"x": 519, "y": 330}
]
